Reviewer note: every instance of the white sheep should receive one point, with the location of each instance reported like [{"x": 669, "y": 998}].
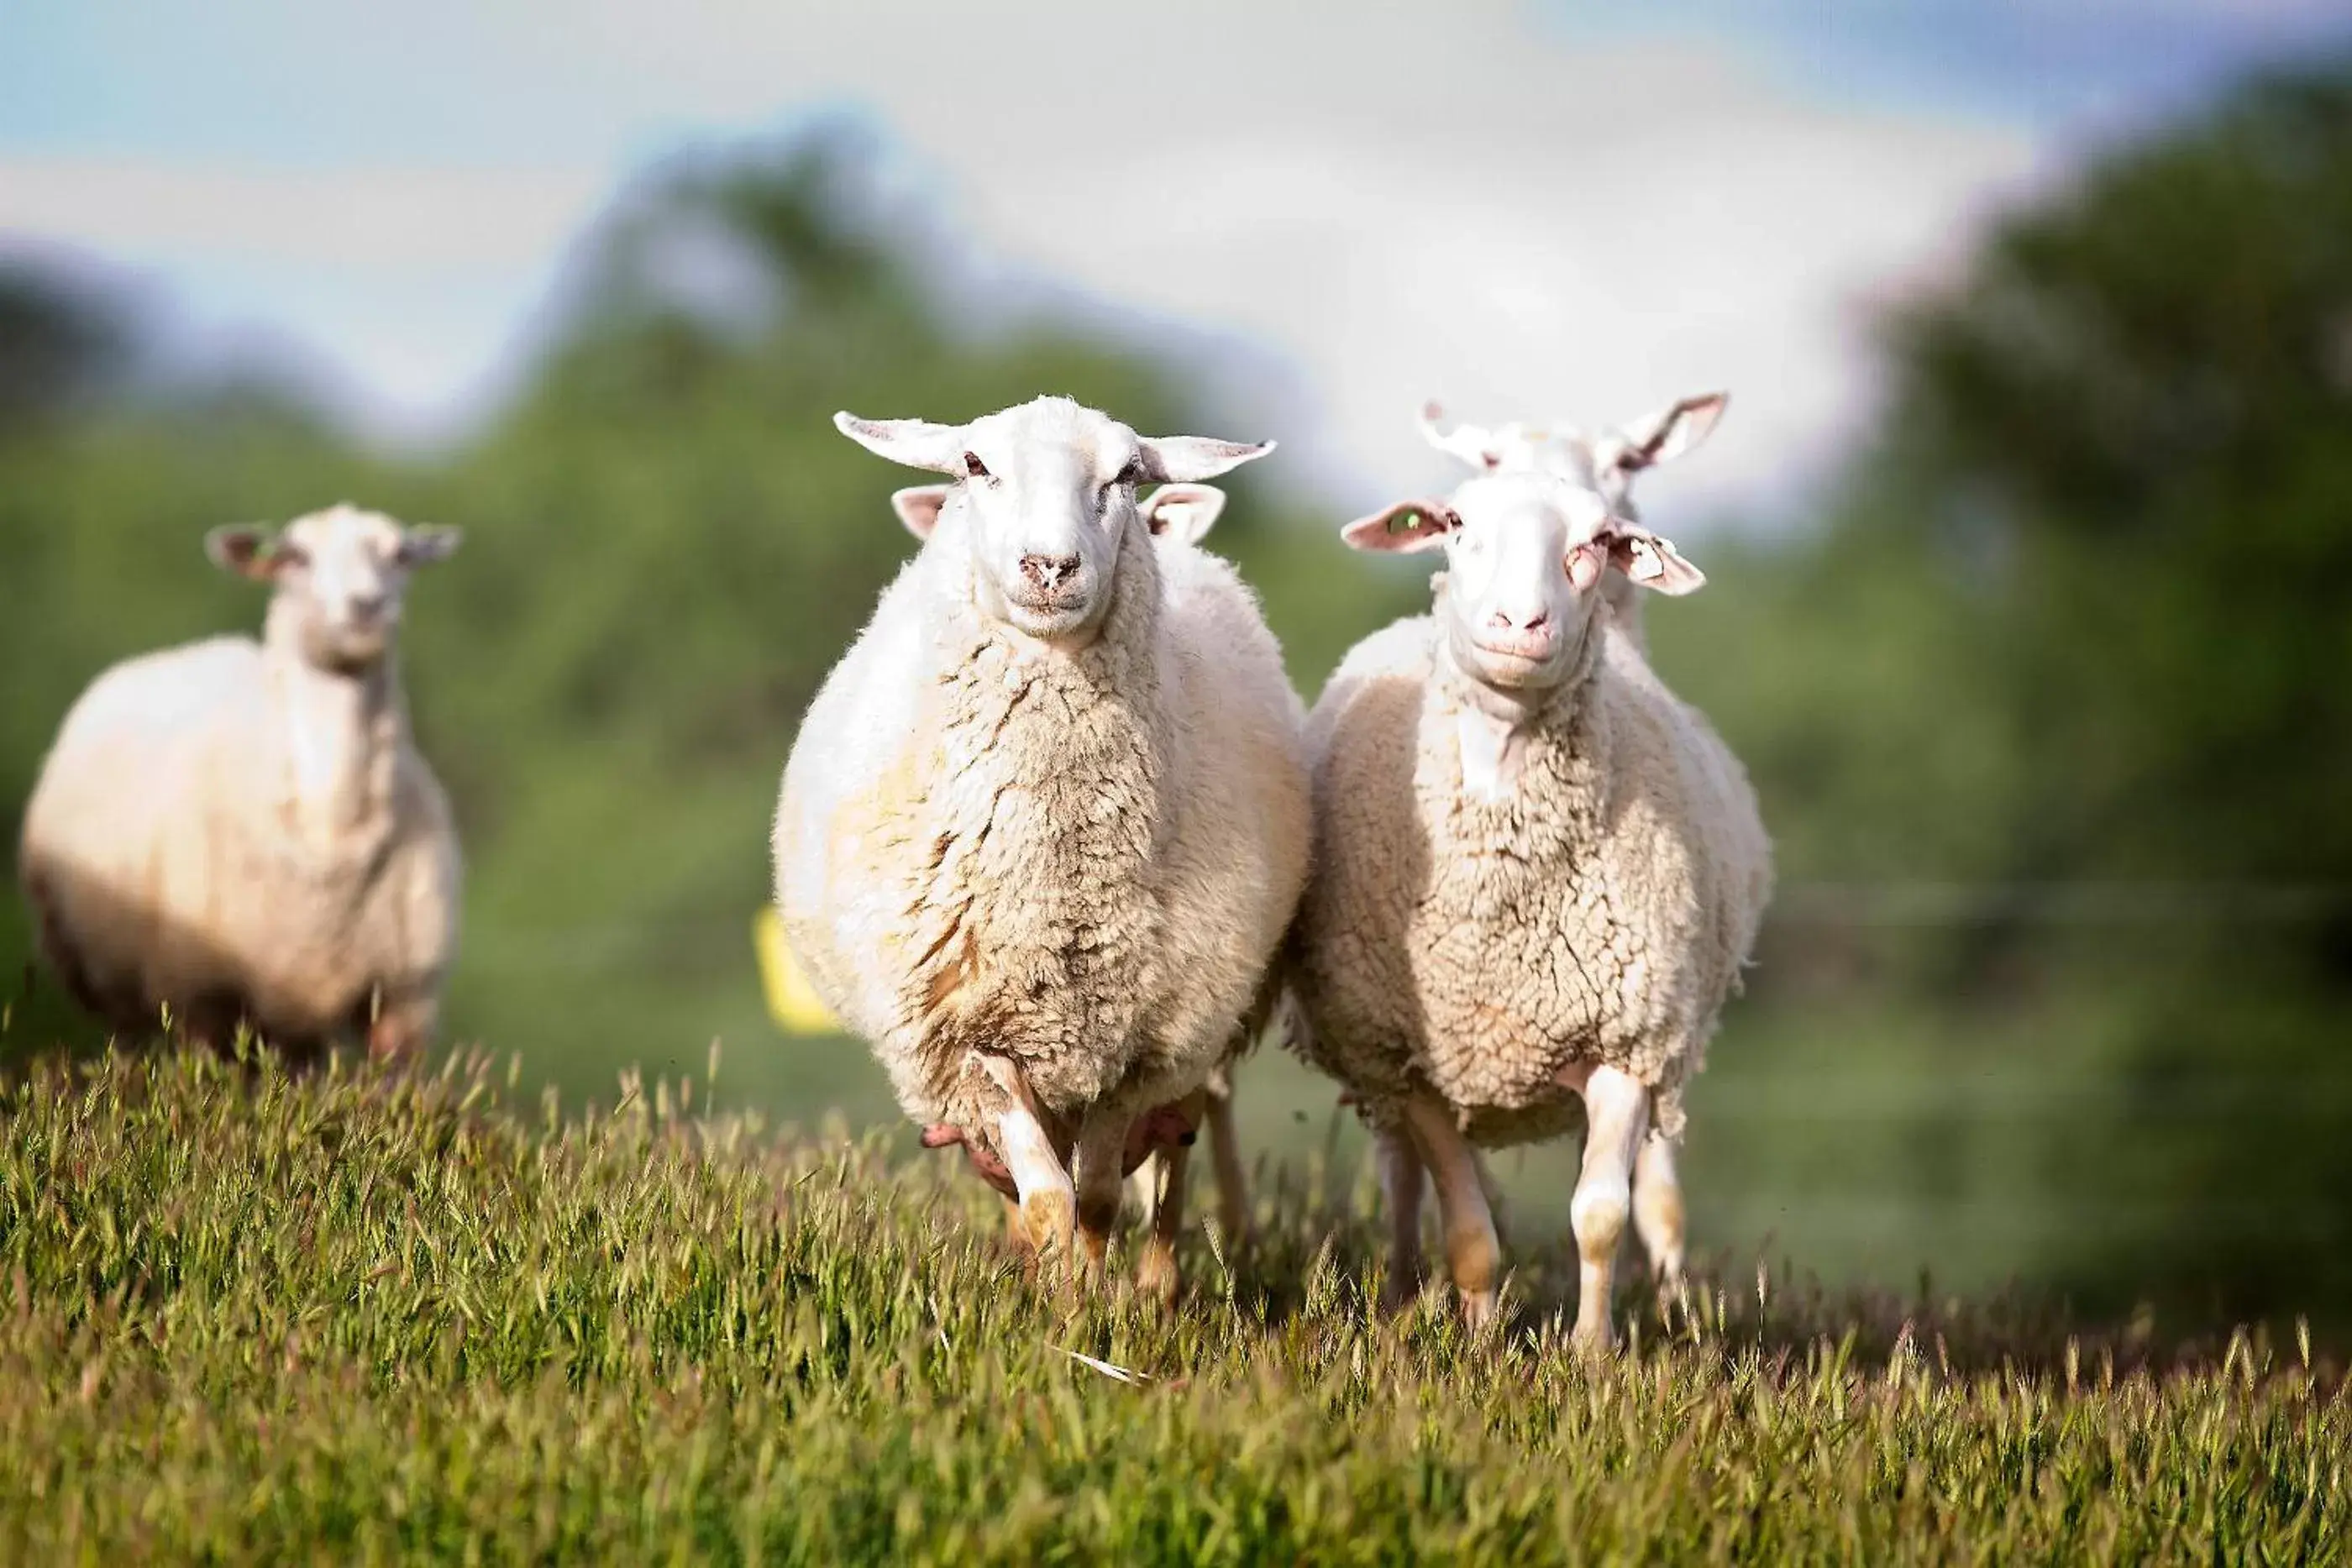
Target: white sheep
[
  {"x": 1606, "y": 462},
  {"x": 1538, "y": 874},
  {"x": 1178, "y": 515},
  {"x": 1044, "y": 826},
  {"x": 243, "y": 832}
]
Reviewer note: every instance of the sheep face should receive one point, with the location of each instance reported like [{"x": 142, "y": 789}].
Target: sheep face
[
  {"x": 1524, "y": 554},
  {"x": 340, "y": 576},
  {"x": 1044, "y": 495},
  {"x": 1605, "y": 463}
]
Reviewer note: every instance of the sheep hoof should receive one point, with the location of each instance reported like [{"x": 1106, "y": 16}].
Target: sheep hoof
[
  {"x": 1051, "y": 1218},
  {"x": 1155, "y": 1271},
  {"x": 1593, "y": 1339},
  {"x": 389, "y": 1041},
  {"x": 1477, "y": 1310},
  {"x": 1093, "y": 1251},
  {"x": 1674, "y": 1289},
  {"x": 1399, "y": 1289}
]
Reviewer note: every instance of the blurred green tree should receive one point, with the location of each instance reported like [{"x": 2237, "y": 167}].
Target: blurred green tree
[{"x": 2076, "y": 632}]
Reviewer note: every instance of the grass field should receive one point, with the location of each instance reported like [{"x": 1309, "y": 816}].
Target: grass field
[{"x": 256, "y": 1318}]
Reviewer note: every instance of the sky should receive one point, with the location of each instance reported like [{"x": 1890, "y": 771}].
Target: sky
[{"x": 1558, "y": 209}]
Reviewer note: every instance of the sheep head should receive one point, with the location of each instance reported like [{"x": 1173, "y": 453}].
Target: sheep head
[
  {"x": 1524, "y": 554},
  {"x": 1046, "y": 493},
  {"x": 340, "y": 577}
]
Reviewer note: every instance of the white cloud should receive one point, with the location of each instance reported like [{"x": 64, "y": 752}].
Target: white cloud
[
  {"x": 1404, "y": 201},
  {"x": 1400, "y": 202},
  {"x": 405, "y": 222},
  {"x": 413, "y": 279}
]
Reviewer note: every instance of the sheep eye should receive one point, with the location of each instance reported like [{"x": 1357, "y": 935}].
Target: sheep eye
[
  {"x": 974, "y": 468},
  {"x": 1131, "y": 474}
]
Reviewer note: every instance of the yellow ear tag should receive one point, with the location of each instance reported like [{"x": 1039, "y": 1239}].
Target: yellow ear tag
[{"x": 791, "y": 1001}]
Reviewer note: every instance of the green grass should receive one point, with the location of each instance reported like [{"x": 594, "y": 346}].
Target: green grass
[{"x": 250, "y": 1318}]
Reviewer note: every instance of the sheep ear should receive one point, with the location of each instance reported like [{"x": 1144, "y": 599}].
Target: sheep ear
[
  {"x": 243, "y": 550},
  {"x": 1183, "y": 512},
  {"x": 1475, "y": 445},
  {"x": 919, "y": 506},
  {"x": 1407, "y": 527},
  {"x": 427, "y": 543},
  {"x": 1671, "y": 430},
  {"x": 1653, "y": 562},
  {"x": 1180, "y": 459},
  {"x": 917, "y": 443}
]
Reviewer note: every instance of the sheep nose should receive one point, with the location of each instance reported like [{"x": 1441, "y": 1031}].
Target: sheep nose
[
  {"x": 1047, "y": 571},
  {"x": 364, "y": 606},
  {"x": 1501, "y": 621}
]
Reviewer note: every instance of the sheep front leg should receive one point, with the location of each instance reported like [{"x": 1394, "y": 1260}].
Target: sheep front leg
[
  {"x": 1616, "y": 1113},
  {"x": 1403, "y": 1176},
  {"x": 1165, "y": 1172},
  {"x": 1017, "y": 1228},
  {"x": 1472, "y": 1252},
  {"x": 1157, "y": 1186},
  {"x": 1046, "y": 1203},
  {"x": 1658, "y": 1213},
  {"x": 1099, "y": 1171}
]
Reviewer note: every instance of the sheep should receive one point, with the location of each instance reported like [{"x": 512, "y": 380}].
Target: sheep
[
  {"x": 1537, "y": 875},
  {"x": 1044, "y": 824},
  {"x": 244, "y": 833},
  {"x": 1178, "y": 515},
  {"x": 1606, "y": 462}
]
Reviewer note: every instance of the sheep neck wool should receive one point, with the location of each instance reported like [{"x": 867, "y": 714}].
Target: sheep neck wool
[{"x": 338, "y": 738}]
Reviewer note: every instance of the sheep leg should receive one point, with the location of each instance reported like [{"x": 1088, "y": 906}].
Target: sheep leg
[
  {"x": 1403, "y": 1177},
  {"x": 1143, "y": 1185},
  {"x": 397, "y": 1031},
  {"x": 1616, "y": 1113},
  {"x": 1155, "y": 1266},
  {"x": 1472, "y": 1252},
  {"x": 1016, "y": 1228},
  {"x": 1047, "y": 1202},
  {"x": 1098, "y": 1168},
  {"x": 1225, "y": 1155},
  {"x": 1658, "y": 1213},
  {"x": 209, "y": 1023}
]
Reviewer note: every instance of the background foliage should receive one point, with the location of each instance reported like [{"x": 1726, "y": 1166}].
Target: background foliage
[{"x": 2048, "y": 712}]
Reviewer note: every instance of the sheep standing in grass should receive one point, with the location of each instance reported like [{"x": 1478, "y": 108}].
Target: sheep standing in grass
[
  {"x": 243, "y": 832},
  {"x": 1179, "y": 518},
  {"x": 1045, "y": 824},
  {"x": 1537, "y": 874},
  {"x": 1606, "y": 462}
]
